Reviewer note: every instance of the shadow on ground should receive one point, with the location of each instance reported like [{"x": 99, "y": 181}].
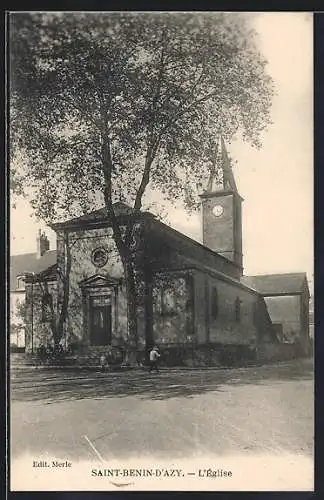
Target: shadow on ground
[{"x": 61, "y": 386}]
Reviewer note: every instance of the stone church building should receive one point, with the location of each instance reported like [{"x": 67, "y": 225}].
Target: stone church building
[{"x": 198, "y": 306}]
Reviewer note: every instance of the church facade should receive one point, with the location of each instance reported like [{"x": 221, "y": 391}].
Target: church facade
[{"x": 194, "y": 303}]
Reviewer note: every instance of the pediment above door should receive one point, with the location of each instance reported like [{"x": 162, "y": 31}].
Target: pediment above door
[{"x": 99, "y": 280}]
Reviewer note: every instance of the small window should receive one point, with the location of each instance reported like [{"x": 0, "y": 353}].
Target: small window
[
  {"x": 47, "y": 308},
  {"x": 214, "y": 303},
  {"x": 238, "y": 309}
]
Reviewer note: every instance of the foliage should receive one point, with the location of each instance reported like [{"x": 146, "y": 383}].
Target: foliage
[
  {"x": 148, "y": 93},
  {"x": 21, "y": 311}
]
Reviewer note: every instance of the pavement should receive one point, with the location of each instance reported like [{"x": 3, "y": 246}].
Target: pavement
[{"x": 266, "y": 409}]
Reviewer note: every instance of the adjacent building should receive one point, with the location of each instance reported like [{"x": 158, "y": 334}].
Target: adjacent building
[{"x": 32, "y": 264}]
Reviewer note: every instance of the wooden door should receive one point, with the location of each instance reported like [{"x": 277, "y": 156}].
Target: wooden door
[{"x": 100, "y": 320}]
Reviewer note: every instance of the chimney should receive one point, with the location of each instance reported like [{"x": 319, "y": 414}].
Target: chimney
[{"x": 43, "y": 244}]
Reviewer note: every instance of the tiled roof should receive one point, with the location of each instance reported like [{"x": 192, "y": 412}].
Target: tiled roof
[
  {"x": 276, "y": 284},
  {"x": 121, "y": 209},
  {"x": 28, "y": 262}
]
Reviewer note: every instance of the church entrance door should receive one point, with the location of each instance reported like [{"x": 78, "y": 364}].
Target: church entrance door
[{"x": 100, "y": 320}]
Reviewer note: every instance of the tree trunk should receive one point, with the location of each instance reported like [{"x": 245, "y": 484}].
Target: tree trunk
[
  {"x": 131, "y": 297},
  {"x": 63, "y": 313},
  {"x": 53, "y": 322}
]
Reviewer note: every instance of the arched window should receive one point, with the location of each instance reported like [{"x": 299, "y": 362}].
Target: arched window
[
  {"x": 214, "y": 303},
  {"x": 47, "y": 307},
  {"x": 237, "y": 309}
]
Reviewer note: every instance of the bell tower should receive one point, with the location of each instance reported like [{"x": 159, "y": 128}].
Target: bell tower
[{"x": 222, "y": 211}]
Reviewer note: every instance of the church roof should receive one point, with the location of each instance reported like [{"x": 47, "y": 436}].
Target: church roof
[
  {"x": 277, "y": 284},
  {"x": 28, "y": 262},
  {"x": 121, "y": 209}
]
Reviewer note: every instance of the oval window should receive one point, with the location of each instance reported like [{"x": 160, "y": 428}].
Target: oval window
[{"x": 99, "y": 257}]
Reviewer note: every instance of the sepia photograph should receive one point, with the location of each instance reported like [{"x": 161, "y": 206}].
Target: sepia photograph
[{"x": 161, "y": 330}]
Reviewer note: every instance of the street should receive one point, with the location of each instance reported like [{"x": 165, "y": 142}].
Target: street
[{"x": 175, "y": 413}]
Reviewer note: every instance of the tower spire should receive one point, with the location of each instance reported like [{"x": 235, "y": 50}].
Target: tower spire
[
  {"x": 221, "y": 176},
  {"x": 213, "y": 170},
  {"x": 228, "y": 177}
]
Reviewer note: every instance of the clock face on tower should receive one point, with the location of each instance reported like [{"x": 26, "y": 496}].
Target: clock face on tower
[{"x": 218, "y": 210}]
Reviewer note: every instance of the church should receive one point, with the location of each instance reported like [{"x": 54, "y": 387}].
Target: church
[{"x": 198, "y": 307}]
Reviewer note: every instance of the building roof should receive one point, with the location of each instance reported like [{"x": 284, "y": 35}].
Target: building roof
[
  {"x": 276, "y": 284},
  {"x": 185, "y": 244},
  {"x": 28, "y": 262},
  {"x": 121, "y": 209}
]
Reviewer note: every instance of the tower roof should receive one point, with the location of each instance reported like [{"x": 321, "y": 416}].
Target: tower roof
[
  {"x": 228, "y": 176},
  {"x": 227, "y": 181}
]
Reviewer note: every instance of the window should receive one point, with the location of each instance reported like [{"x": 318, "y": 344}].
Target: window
[
  {"x": 99, "y": 257},
  {"x": 237, "y": 309},
  {"x": 214, "y": 303},
  {"x": 47, "y": 308}
]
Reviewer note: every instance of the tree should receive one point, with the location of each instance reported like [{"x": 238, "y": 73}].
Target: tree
[
  {"x": 17, "y": 328},
  {"x": 105, "y": 105}
]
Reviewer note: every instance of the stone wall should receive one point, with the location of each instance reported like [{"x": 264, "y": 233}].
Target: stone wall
[
  {"x": 226, "y": 328},
  {"x": 218, "y": 322},
  {"x": 172, "y": 309},
  {"x": 82, "y": 244}
]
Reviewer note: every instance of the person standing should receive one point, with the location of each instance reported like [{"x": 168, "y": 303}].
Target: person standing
[
  {"x": 105, "y": 359},
  {"x": 154, "y": 357},
  {"x": 41, "y": 355}
]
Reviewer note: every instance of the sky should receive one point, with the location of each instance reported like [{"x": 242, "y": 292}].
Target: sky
[{"x": 276, "y": 181}]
